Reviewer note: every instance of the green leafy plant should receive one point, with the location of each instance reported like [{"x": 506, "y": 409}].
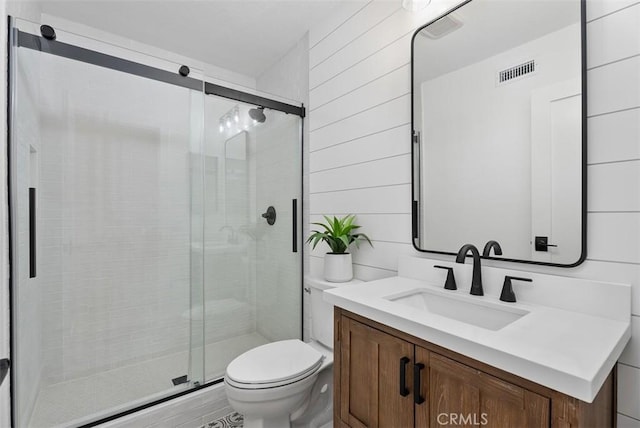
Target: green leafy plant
[{"x": 338, "y": 233}]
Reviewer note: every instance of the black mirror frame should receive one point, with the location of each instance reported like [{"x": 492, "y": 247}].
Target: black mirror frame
[{"x": 414, "y": 199}]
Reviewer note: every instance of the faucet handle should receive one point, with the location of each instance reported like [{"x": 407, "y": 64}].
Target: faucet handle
[
  {"x": 450, "y": 283},
  {"x": 507, "y": 294}
]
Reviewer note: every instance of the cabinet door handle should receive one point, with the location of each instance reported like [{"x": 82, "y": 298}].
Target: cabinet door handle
[
  {"x": 417, "y": 398},
  {"x": 404, "y": 391}
]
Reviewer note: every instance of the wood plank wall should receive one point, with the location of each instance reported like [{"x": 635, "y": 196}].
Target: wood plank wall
[{"x": 359, "y": 147}]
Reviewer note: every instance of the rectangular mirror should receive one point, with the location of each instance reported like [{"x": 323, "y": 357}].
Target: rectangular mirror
[{"x": 499, "y": 129}]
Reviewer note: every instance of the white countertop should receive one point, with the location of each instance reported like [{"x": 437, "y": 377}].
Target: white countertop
[{"x": 568, "y": 351}]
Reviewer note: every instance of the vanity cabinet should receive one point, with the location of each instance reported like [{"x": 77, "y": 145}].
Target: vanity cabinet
[
  {"x": 371, "y": 377},
  {"x": 387, "y": 378},
  {"x": 458, "y": 391}
]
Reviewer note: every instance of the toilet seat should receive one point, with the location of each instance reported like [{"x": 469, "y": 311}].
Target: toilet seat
[{"x": 274, "y": 364}]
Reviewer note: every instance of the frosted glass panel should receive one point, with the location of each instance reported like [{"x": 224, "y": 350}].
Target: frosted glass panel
[{"x": 116, "y": 163}]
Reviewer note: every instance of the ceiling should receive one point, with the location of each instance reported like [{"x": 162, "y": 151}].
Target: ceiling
[{"x": 245, "y": 36}]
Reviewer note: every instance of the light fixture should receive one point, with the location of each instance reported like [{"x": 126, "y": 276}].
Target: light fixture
[
  {"x": 237, "y": 119},
  {"x": 415, "y": 5}
]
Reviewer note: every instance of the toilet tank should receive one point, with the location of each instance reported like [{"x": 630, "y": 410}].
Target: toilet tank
[{"x": 321, "y": 311}]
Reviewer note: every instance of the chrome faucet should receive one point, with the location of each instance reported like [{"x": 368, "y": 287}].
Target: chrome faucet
[{"x": 476, "y": 280}]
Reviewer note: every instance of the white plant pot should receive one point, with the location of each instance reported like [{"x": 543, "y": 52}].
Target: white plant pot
[{"x": 338, "y": 267}]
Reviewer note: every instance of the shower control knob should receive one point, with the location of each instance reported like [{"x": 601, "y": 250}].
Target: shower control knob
[{"x": 270, "y": 216}]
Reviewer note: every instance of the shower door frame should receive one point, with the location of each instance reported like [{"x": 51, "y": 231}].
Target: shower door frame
[{"x": 18, "y": 39}]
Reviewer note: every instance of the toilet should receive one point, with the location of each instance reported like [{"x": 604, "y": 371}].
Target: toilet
[{"x": 288, "y": 383}]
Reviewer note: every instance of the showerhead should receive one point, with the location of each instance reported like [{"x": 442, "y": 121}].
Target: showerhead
[{"x": 257, "y": 114}]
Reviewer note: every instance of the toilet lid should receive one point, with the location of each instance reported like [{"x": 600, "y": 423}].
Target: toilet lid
[{"x": 274, "y": 362}]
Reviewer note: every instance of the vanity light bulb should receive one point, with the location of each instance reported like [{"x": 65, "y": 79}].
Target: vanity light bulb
[
  {"x": 221, "y": 128},
  {"x": 236, "y": 115},
  {"x": 228, "y": 123}
]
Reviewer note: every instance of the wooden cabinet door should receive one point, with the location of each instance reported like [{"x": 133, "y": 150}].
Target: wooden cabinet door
[
  {"x": 465, "y": 397},
  {"x": 370, "y": 387}
]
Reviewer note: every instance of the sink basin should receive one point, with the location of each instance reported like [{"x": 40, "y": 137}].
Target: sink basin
[{"x": 481, "y": 314}]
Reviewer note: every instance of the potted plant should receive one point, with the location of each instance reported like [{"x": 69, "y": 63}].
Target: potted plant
[{"x": 338, "y": 233}]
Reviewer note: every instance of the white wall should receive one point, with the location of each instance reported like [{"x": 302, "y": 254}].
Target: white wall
[
  {"x": 360, "y": 127},
  {"x": 360, "y": 144}
]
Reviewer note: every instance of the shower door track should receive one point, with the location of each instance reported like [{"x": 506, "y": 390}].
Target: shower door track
[
  {"x": 26, "y": 40},
  {"x": 53, "y": 47}
]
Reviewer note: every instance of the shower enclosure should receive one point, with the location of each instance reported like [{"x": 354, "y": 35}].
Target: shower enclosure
[{"x": 141, "y": 261}]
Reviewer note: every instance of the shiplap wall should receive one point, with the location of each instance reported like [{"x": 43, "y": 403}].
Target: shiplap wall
[{"x": 359, "y": 162}]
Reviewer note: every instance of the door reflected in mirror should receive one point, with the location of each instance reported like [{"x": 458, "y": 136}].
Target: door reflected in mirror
[{"x": 498, "y": 120}]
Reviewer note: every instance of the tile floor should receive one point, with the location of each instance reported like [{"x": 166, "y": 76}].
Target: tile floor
[
  {"x": 232, "y": 420},
  {"x": 74, "y": 402}
]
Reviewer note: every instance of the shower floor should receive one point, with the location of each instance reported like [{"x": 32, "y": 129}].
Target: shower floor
[{"x": 76, "y": 401}]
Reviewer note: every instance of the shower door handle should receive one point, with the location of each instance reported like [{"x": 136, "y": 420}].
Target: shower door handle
[
  {"x": 32, "y": 232},
  {"x": 294, "y": 221}
]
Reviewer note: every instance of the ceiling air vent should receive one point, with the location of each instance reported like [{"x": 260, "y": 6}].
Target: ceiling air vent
[
  {"x": 441, "y": 27},
  {"x": 517, "y": 71}
]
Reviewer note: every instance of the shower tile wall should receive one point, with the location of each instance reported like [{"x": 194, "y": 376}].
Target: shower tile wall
[
  {"x": 115, "y": 216},
  {"x": 354, "y": 51}
]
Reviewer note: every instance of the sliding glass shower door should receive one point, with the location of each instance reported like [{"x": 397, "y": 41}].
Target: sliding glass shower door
[
  {"x": 154, "y": 229},
  {"x": 252, "y": 282},
  {"x": 107, "y": 207}
]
